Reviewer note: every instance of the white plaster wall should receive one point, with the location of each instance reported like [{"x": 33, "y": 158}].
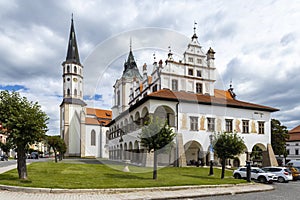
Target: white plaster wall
[{"x": 74, "y": 129}]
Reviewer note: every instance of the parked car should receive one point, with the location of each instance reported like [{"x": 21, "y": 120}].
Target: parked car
[
  {"x": 256, "y": 174},
  {"x": 283, "y": 174},
  {"x": 4, "y": 157},
  {"x": 294, "y": 163},
  {"x": 295, "y": 172}
]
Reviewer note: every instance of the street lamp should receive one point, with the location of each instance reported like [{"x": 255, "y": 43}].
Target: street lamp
[{"x": 211, "y": 156}]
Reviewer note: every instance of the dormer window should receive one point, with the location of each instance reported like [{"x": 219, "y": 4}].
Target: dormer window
[
  {"x": 191, "y": 72},
  {"x": 199, "y": 61},
  {"x": 190, "y": 59}
]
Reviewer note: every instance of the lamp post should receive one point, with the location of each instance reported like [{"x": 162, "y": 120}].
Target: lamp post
[{"x": 211, "y": 156}]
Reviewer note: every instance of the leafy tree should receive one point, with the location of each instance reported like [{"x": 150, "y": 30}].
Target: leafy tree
[
  {"x": 279, "y": 136},
  {"x": 227, "y": 146},
  {"x": 58, "y": 145},
  {"x": 24, "y": 122},
  {"x": 156, "y": 136}
]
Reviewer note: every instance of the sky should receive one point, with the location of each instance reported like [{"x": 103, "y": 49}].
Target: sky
[{"x": 257, "y": 45}]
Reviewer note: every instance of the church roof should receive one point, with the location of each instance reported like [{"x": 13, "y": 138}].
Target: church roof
[
  {"x": 294, "y": 134},
  {"x": 221, "y": 98},
  {"x": 73, "y": 101},
  {"x": 99, "y": 116},
  {"x": 130, "y": 68},
  {"x": 72, "y": 53}
]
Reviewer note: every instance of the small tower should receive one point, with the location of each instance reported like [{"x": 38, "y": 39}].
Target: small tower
[{"x": 72, "y": 107}]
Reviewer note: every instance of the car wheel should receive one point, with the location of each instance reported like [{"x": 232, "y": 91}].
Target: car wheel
[
  {"x": 262, "y": 179},
  {"x": 237, "y": 176},
  {"x": 281, "y": 179}
]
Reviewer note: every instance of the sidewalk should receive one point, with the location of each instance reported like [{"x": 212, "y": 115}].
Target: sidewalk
[{"x": 155, "y": 193}]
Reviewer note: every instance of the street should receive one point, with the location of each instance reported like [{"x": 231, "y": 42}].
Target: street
[{"x": 286, "y": 191}]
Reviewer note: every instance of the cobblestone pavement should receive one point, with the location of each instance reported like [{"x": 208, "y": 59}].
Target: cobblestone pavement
[{"x": 154, "y": 193}]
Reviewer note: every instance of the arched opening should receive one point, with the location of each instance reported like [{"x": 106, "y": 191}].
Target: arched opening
[
  {"x": 256, "y": 155},
  {"x": 137, "y": 120},
  {"x": 194, "y": 153},
  {"x": 130, "y": 151},
  {"x": 75, "y": 69},
  {"x": 165, "y": 113},
  {"x": 136, "y": 152},
  {"x": 125, "y": 151},
  {"x": 144, "y": 116}
]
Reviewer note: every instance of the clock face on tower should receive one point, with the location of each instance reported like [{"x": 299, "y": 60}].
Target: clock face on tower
[{"x": 75, "y": 79}]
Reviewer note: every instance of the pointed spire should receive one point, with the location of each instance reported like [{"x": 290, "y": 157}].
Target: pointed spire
[
  {"x": 195, "y": 36},
  {"x": 130, "y": 66},
  {"x": 72, "y": 53}
]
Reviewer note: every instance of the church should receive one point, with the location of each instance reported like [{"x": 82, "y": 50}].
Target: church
[{"x": 182, "y": 92}]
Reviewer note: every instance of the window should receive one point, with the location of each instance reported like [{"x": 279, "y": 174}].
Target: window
[
  {"x": 174, "y": 84},
  {"x": 211, "y": 124},
  {"x": 296, "y": 151},
  {"x": 75, "y": 69},
  {"x": 194, "y": 123},
  {"x": 75, "y": 92},
  {"x": 68, "y": 91},
  {"x": 199, "y": 61},
  {"x": 245, "y": 126},
  {"x": 297, "y": 144},
  {"x": 191, "y": 72},
  {"x": 288, "y": 152},
  {"x": 191, "y": 59},
  {"x": 261, "y": 127},
  {"x": 228, "y": 125},
  {"x": 154, "y": 88},
  {"x": 68, "y": 68},
  {"x": 118, "y": 98},
  {"x": 199, "y": 74},
  {"x": 199, "y": 88},
  {"x": 93, "y": 138}
]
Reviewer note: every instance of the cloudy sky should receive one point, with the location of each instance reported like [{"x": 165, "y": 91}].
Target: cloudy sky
[{"x": 257, "y": 46}]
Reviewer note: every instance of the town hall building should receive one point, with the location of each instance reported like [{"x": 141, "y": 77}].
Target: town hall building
[{"x": 182, "y": 92}]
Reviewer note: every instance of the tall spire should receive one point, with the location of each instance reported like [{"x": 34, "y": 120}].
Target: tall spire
[
  {"x": 72, "y": 53},
  {"x": 195, "y": 36}
]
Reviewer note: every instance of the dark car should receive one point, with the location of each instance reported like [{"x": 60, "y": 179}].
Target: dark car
[{"x": 4, "y": 157}]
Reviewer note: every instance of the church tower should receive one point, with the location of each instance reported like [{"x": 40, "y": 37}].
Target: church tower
[{"x": 72, "y": 115}]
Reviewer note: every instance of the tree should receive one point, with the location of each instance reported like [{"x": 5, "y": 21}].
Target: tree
[
  {"x": 226, "y": 146},
  {"x": 58, "y": 145},
  {"x": 24, "y": 122},
  {"x": 279, "y": 136},
  {"x": 157, "y": 136}
]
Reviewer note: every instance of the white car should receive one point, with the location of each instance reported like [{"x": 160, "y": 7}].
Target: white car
[
  {"x": 256, "y": 174},
  {"x": 284, "y": 174}
]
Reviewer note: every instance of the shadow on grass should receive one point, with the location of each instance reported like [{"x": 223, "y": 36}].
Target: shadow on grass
[
  {"x": 201, "y": 177},
  {"x": 125, "y": 176},
  {"x": 8, "y": 177}
]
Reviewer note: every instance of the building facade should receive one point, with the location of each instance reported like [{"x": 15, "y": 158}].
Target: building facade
[
  {"x": 182, "y": 93},
  {"x": 293, "y": 144}
]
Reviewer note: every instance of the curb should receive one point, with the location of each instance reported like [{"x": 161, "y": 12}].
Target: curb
[{"x": 129, "y": 190}]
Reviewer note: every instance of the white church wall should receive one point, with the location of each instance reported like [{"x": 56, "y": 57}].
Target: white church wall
[{"x": 74, "y": 130}]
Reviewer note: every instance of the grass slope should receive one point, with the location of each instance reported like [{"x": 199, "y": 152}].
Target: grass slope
[{"x": 75, "y": 176}]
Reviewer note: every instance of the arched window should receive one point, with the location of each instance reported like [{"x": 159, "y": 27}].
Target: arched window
[
  {"x": 68, "y": 69},
  {"x": 75, "y": 92},
  {"x": 75, "y": 69},
  {"x": 93, "y": 138},
  {"x": 68, "y": 91}
]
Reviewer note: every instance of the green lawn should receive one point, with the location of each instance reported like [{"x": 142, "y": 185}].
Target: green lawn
[{"x": 73, "y": 175}]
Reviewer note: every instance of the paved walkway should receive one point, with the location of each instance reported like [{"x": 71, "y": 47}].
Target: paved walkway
[{"x": 16, "y": 193}]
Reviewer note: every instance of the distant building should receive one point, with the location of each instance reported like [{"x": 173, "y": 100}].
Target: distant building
[{"x": 293, "y": 144}]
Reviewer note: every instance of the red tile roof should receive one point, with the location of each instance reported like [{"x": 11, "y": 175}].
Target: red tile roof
[
  {"x": 102, "y": 116},
  {"x": 221, "y": 98},
  {"x": 294, "y": 134}
]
